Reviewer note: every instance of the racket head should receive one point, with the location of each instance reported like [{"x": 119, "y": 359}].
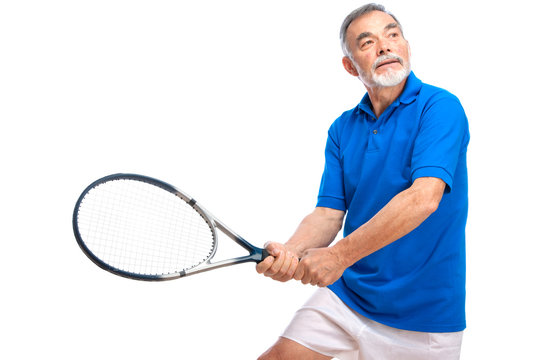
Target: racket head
[{"x": 142, "y": 228}]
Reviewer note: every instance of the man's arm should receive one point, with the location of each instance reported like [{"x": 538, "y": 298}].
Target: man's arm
[
  {"x": 406, "y": 211},
  {"x": 316, "y": 230}
]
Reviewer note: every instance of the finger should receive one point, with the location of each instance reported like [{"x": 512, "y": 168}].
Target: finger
[
  {"x": 288, "y": 268},
  {"x": 322, "y": 284},
  {"x": 292, "y": 268},
  {"x": 299, "y": 273},
  {"x": 306, "y": 279},
  {"x": 305, "y": 274},
  {"x": 314, "y": 277},
  {"x": 264, "y": 265},
  {"x": 282, "y": 271},
  {"x": 273, "y": 248},
  {"x": 276, "y": 266}
]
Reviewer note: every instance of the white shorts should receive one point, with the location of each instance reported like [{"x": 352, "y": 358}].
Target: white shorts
[{"x": 328, "y": 326}]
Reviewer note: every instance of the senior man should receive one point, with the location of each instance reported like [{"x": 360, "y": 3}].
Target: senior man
[{"x": 395, "y": 170}]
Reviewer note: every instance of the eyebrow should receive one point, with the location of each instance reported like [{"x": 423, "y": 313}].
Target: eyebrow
[
  {"x": 391, "y": 26},
  {"x": 363, "y": 35},
  {"x": 367, "y": 33}
]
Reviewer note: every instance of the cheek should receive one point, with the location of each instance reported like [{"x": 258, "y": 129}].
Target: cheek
[
  {"x": 365, "y": 63},
  {"x": 405, "y": 51}
]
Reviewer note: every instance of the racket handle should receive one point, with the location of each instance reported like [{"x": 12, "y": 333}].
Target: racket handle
[{"x": 265, "y": 254}]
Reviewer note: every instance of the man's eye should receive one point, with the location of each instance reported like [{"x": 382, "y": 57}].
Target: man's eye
[
  {"x": 394, "y": 35},
  {"x": 367, "y": 42}
]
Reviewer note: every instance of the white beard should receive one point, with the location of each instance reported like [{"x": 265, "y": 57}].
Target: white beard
[{"x": 390, "y": 77}]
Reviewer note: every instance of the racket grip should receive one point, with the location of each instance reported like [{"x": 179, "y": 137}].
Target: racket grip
[{"x": 265, "y": 254}]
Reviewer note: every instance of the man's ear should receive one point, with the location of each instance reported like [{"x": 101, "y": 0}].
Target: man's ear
[{"x": 349, "y": 66}]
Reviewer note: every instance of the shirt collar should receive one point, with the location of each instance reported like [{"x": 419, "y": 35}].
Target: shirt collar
[
  {"x": 408, "y": 95},
  {"x": 411, "y": 90}
]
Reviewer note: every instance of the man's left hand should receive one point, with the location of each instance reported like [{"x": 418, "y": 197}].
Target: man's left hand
[{"x": 320, "y": 267}]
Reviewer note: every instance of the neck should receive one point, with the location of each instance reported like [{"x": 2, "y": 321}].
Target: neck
[{"x": 382, "y": 97}]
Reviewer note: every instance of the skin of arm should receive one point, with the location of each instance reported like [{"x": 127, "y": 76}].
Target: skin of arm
[{"x": 322, "y": 265}]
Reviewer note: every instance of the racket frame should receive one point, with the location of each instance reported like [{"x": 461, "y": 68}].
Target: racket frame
[{"x": 256, "y": 254}]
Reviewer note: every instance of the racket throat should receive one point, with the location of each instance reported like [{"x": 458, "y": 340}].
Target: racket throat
[{"x": 255, "y": 256}]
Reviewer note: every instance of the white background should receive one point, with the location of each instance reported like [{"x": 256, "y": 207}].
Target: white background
[{"x": 230, "y": 101}]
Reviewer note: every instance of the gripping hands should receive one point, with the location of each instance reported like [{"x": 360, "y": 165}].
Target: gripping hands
[{"x": 319, "y": 267}]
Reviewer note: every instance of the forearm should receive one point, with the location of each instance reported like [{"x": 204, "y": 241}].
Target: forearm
[
  {"x": 405, "y": 212},
  {"x": 316, "y": 230}
]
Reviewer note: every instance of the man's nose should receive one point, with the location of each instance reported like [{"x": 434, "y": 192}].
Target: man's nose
[{"x": 384, "y": 48}]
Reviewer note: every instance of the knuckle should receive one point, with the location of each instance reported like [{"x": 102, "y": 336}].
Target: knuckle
[
  {"x": 290, "y": 273},
  {"x": 275, "y": 267},
  {"x": 269, "y": 272}
]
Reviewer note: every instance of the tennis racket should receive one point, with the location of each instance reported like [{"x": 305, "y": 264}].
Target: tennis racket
[{"x": 143, "y": 228}]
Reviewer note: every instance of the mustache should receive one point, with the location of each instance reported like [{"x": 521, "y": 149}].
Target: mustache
[{"x": 385, "y": 57}]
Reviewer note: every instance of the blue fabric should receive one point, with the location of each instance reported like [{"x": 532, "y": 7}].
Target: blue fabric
[{"x": 418, "y": 282}]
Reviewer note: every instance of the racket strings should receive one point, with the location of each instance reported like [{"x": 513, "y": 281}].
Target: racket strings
[{"x": 143, "y": 229}]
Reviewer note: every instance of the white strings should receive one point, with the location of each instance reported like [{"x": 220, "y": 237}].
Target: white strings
[{"x": 143, "y": 229}]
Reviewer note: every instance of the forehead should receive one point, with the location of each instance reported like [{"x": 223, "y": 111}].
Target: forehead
[{"x": 373, "y": 22}]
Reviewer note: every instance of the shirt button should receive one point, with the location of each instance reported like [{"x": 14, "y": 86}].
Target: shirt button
[{"x": 375, "y": 132}]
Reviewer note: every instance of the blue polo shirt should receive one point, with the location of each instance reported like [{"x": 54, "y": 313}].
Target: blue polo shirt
[{"x": 417, "y": 282}]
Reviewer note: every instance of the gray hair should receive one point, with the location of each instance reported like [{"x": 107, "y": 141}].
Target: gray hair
[{"x": 355, "y": 15}]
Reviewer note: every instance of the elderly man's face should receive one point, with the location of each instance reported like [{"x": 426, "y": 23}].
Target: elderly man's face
[{"x": 380, "y": 55}]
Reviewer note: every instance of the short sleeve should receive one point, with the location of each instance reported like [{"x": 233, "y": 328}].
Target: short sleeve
[
  {"x": 331, "y": 190},
  {"x": 443, "y": 136}
]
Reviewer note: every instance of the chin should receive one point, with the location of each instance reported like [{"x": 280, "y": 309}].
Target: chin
[{"x": 391, "y": 78}]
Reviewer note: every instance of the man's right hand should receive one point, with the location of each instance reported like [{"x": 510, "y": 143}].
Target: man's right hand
[{"x": 281, "y": 265}]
